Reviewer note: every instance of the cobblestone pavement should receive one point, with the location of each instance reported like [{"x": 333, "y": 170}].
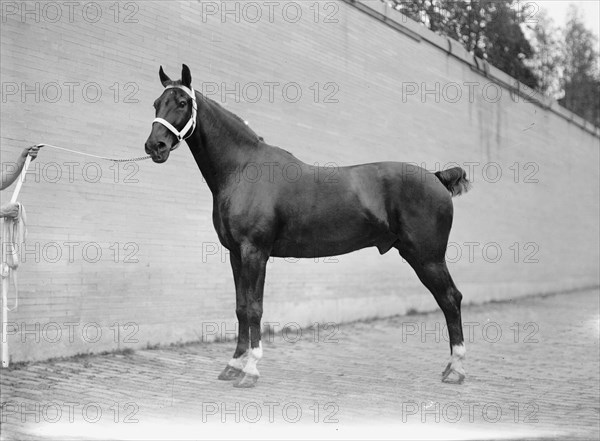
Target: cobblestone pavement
[{"x": 532, "y": 365}]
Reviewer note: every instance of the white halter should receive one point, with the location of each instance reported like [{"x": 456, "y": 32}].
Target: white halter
[{"x": 191, "y": 124}]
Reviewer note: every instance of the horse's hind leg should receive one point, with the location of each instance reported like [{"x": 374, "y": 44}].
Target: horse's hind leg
[
  {"x": 437, "y": 279},
  {"x": 435, "y": 276}
]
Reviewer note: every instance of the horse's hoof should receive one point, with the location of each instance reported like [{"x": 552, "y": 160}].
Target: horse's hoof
[
  {"x": 248, "y": 380},
  {"x": 230, "y": 373},
  {"x": 447, "y": 370},
  {"x": 449, "y": 380},
  {"x": 447, "y": 376}
]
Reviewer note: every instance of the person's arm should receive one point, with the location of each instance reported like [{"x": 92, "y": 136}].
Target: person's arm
[{"x": 6, "y": 179}]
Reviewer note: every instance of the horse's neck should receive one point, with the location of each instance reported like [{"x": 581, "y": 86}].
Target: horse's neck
[{"x": 217, "y": 143}]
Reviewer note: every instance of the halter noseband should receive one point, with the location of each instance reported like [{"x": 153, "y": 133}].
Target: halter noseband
[{"x": 191, "y": 124}]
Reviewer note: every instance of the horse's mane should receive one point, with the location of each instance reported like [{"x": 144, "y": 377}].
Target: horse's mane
[
  {"x": 240, "y": 124},
  {"x": 241, "y": 129}
]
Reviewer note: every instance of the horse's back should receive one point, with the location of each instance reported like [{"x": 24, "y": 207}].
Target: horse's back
[{"x": 400, "y": 184}]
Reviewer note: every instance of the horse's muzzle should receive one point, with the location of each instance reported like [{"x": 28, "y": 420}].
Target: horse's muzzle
[{"x": 159, "y": 151}]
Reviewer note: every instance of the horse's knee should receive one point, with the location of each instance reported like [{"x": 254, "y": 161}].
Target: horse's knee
[
  {"x": 241, "y": 312},
  {"x": 454, "y": 297},
  {"x": 451, "y": 300},
  {"x": 437, "y": 279},
  {"x": 457, "y": 296},
  {"x": 255, "y": 312}
]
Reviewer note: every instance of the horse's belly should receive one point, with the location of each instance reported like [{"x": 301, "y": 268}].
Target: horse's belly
[
  {"x": 308, "y": 249},
  {"x": 321, "y": 241},
  {"x": 334, "y": 218}
]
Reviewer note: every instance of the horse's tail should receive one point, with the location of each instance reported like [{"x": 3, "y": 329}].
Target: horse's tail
[{"x": 455, "y": 180}]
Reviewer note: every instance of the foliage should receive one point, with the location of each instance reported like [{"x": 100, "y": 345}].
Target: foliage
[
  {"x": 581, "y": 79},
  {"x": 489, "y": 29},
  {"x": 530, "y": 48},
  {"x": 547, "y": 61}
]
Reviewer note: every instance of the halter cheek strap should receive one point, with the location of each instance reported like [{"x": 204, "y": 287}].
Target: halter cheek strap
[{"x": 191, "y": 124}]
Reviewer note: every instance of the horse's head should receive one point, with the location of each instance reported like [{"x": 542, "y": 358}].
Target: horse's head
[{"x": 175, "y": 116}]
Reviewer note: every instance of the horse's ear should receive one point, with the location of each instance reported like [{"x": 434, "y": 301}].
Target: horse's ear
[
  {"x": 164, "y": 79},
  {"x": 186, "y": 76}
]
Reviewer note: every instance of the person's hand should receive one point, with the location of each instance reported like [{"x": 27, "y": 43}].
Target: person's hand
[
  {"x": 10, "y": 210},
  {"x": 32, "y": 151}
]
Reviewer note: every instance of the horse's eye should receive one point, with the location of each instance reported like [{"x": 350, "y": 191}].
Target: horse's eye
[{"x": 182, "y": 104}]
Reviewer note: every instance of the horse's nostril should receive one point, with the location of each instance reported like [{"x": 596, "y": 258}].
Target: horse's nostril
[{"x": 161, "y": 145}]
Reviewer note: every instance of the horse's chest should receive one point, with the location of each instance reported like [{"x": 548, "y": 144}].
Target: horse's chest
[
  {"x": 221, "y": 228},
  {"x": 234, "y": 223}
]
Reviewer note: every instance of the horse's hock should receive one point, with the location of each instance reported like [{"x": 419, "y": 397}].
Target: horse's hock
[{"x": 125, "y": 255}]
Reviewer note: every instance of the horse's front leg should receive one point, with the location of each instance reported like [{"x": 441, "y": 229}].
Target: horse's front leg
[
  {"x": 252, "y": 281},
  {"x": 233, "y": 370}
]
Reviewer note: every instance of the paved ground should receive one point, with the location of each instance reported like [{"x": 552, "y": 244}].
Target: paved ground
[{"x": 533, "y": 371}]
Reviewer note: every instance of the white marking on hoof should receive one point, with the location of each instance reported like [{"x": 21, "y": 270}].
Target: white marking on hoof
[
  {"x": 253, "y": 357},
  {"x": 459, "y": 351},
  {"x": 455, "y": 364},
  {"x": 239, "y": 362}
]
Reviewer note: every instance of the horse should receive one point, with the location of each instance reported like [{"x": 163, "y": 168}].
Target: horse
[{"x": 305, "y": 213}]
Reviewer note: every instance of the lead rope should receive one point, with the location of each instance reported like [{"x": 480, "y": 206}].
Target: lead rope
[
  {"x": 139, "y": 158},
  {"x": 14, "y": 235},
  {"x": 15, "y": 230}
]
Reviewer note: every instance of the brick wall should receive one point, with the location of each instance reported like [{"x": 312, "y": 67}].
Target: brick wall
[{"x": 125, "y": 256}]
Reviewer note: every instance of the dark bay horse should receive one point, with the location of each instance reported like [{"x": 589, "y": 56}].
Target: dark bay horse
[{"x": 286, "y": 208}]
